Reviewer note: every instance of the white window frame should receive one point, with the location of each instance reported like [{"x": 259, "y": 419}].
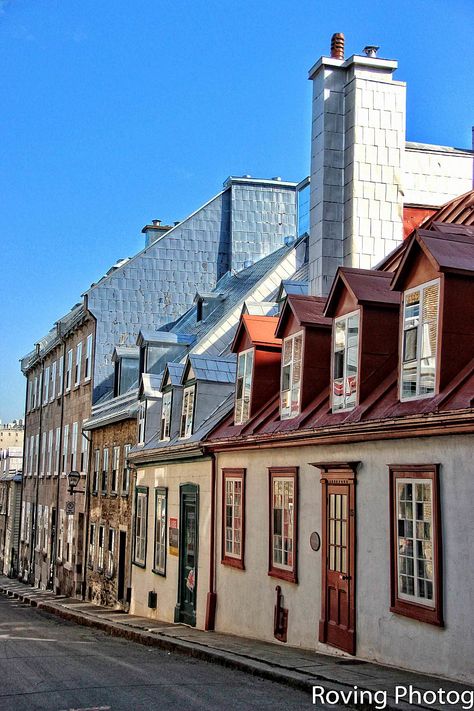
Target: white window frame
[
  {"x": 141, "y": 525},
  {"x": 161, "y": 513},
  {"x": 286, "y": 412},
  {"x": 45, "y": 529},
  {"x": 68, "y": 371},
  {"x": 57, "y": 450},
  {"x": 234, "y": 503},
  {"x": 91, "y": 554},
  {"x": 126, "y": 470},
  {"x": 53, "y": 381},
  {"x": 37, "y": 447},
  {"x": 111, "y": 552},
  {"x": 74, "y": 446},
  {"x": 244, "y": 383},
  {"x": 101, "y": 547},
  {"x": 104, "y": 480},
  {"x": 96, "y": 473},
  {"x": 187, "y": 412},
  {"x": 141, "y": 422},
  {"x": 165, "y": 427},
  {"x": 65, "y": 449},
  {"x": 345, "y": 319},
  {"x": 88, "y": 365},
  {"x": 84, "y": 452},
  {"x": 50, "y": 452},
  {"x": 419, "y": 341},
  {"x": 60, "y": 375},
  {"x": 115, "y": 469},
  {"x": 77, "y": 370},
  {"x": 46, "y": 385},
  {"x": 43, "y": 454},
  {"x": 62, "y": 518},
  {"x": 70, "y": 539}
]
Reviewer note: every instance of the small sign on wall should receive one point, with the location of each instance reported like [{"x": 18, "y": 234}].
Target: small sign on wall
[
  {"x": 173, "y": 536},
  {"x": 70, "y": 508}
]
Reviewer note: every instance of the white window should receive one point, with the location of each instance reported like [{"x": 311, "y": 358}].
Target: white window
[
  {"x": 77, "y": 377},
  {"x": 43, "y": 454},
  {"x": 166, "y": 415},
  {"x": 141, "y": 422},
  {"x": 37, "y": 443},
  {"x": 243, "y": 386},
  {"x": 419, "y": 345},
  {"x": 61, "y": 370},
  {"x": 57, "y": 450},
  {"x": 50, "y": 452},
  {"x": 31, "y": 394},
  {"x": 126, "y": 469},
  {"x": 68, "y": 370},
  {"x": 91, "y": 560},
  {"x": 23, "y": 521},
  {"x": 345, "y": 362},
  {"x": 95, "y": 475},
  {"x": 62, "y": 518},
  {"x": 39, "y": 528},
  {"x": 84, "y": 452},
  {"x": 88, "y": 364},
  {"x": 105, "y": 470},
  {"x": 65, "y": 447},
  {"x": 53, "y": 381},
  {"x": 291, "y": 366},
  {"x": 115, "y": 469},
  {"x": 70, "y": 538},
  {"x": 159, "y": 562},
  {"x": 111, "y": 553},
  {"x": 100, "y": 547},
  {"x": 141, "y": 507},
  {"x": 74, "y": 447},
  {"x": 35, "y": 391},
  {"x": 44, "y": 544},
  {"x": 187, "y": 412},
  {"x": 283, "y": 524},
  {"x": 46, "y": 385},
  {"x": 233, "y": 493},
  {"x": 32, "y": 454}
]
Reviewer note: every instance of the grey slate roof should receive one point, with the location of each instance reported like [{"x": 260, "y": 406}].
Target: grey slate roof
[
  {"x": 175, "y": 371},
  {"x": 214, "y": 370}
]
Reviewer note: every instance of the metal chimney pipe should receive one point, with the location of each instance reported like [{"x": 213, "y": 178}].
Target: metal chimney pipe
[{"x": 337, "y": 46}]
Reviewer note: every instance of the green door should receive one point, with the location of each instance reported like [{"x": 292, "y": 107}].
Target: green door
[{"x": 188, "y": 554}]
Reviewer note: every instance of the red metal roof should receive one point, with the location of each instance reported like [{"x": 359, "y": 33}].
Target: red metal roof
[
  {"x": 367, "y": 286},
  {"x": 459, "y": 211},
  {"x": 260, "y": 330},
  {"x": 308, "y": 311},
  {"x": 414, "y": 216}
]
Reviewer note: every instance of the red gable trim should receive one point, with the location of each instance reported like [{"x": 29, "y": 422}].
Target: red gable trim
[
  {"x": 368, "y": 286},
  {"x": 307, "y": 310},
  {"x": 259, "y": 329}
]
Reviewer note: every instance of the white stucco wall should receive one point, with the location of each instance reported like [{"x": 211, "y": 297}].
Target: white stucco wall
[
  {"x": 144, "y": 579},
  {"x": 432, "y": 175},
  {"x": 246, "y": 599}
]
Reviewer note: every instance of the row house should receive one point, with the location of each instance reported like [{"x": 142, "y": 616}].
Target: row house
[
  {"x": 11, "y": 459},
  {"x": 353, "y": 500},
  {"x": 135, "y": 414},
  {"x": 73, "y": 367}
]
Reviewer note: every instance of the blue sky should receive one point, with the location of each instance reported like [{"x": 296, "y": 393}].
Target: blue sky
[{"x": 115, "y": 113}]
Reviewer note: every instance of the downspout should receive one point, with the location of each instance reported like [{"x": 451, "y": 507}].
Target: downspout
[
  {"x": 212, "y": 595},
  {"x": 31, "y": 574},
  {"x": 23, "y": 470},
  {"x": 58, "y": 518},
  {"x": 85, "y": 554}
]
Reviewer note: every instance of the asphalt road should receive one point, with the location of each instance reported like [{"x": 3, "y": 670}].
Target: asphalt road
[{"x": 53, "y": 665}]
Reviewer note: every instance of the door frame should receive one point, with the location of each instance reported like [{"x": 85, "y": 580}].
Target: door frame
[
  {"x": 343, "y": 474},
  {"x": 184, "y": 490}
]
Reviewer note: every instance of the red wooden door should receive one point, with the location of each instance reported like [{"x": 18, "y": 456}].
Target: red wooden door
[{"x": 337, "y": 625}]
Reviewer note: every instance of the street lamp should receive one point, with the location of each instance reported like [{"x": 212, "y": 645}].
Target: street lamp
[{"x": 73, "y": 479}]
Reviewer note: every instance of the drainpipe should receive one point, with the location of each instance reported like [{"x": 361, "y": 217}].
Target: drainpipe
[
  {"x": 23, "y": 470},
  {"x": 85, "y": 554},
  {"x": 212, "y": 595}
]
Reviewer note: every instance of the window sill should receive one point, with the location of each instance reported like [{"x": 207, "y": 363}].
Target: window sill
[
  {"x": 113, "y": 494},
  {"x": 288, "y": 575},
  {"x": 94, "y": 493},
  {"x": 233, "y": 563},
  {"x": 139, "y": 565},
  {"x": 429, "y": 615},
  {"x": 124, "y": 494}
]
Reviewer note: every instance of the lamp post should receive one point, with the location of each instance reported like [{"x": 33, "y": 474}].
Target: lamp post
[{"x": 73, "y": 479}]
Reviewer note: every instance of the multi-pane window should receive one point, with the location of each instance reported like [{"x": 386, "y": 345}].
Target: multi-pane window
[
  {"x": 77, "y": 375},
  {"x": 186, "y": 428},
  {"x": 50, "y": 453},
  {"x": 70, "y": 538},
  {"x": 126, "y": 469},
  {"x": 35, "y": 391},
  {"x": 95, "y": 473},
  {"x": 57, "y": 450},
  {"x": 141, "y": 508},
  {"x": 243, "y": 386},
  {"x": 60, "y": 375},
  {"x": 31, "y": 394},
  {"x": 88, "y": 363},
  {"x": 31, "y": 454},
  {"x": 111, "y": 552},
  {"x": 53, "y": 380},
  {"x": 37, "y": 452},
  {"x": 46, "y": 385},
  {"x": 141, "y": 422},
  {"x": 337, "y": 532},
  {"x": 105, "y": 469},
  {"x": 283, "y": 523},
  {"x": 115, "y": 469},
  {"x": 91, "y": 558},
  {"x": 74, "y": 447},
  {"x": 419, "y": 343},
  {"x": 44, "y": 542},
  {"x": 159, "y": 560},
  {"x": 43, "y": 454},
  {"x": 291, "y": 366},
  {"x": 62, "y": 517},
  {"x": 126, "y": 374},
  {"x": 416, "y": 559},
  {"x": 84, "y": 452},
  {"x": 39, "y": 527},
  {"x": 345, "y": 362},
  {"x": 65, "y": 447},
  {"x": 68, "y": 370},
  {"x": 233, "y": 517},
  {"x": 100, "y": 548},
  {"x": 166, "y": 415}
]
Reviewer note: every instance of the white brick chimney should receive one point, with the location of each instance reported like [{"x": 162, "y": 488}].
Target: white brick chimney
[{"x": 358, "y": 142}]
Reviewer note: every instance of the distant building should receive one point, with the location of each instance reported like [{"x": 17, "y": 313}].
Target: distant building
[{"x": 10, "y": 494}]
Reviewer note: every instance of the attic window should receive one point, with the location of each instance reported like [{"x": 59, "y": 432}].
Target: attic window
[
  {"x": 291, "y": 376},
  {"x": 126, "y": 374},
  {"x": 186, "y": 428},
  {"x": 243, "y": 386},
  {"x": 166, "y": 416},
  {"x": 345, "y": 362},
  {"x": 420, "y": 335}
]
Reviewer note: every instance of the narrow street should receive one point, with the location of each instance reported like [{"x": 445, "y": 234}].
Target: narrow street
[{"x": 52, "y": 665}]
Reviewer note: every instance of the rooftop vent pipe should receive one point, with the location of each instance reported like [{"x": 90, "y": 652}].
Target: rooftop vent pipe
[
  {"x": 337, "y": 46},
  {"x": 371, "y": 50}
]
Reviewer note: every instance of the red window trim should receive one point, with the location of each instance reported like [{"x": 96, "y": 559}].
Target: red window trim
[
  {"x": 232, "y": 562},
  {"x": 422, "y": 613},
  {"x": 275, "y": 572}
]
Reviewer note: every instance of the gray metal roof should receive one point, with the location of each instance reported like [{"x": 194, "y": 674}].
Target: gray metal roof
[
  {"x": 123, "y": 407},
  {"x": 175, "y": 371},
  {"x": 260, "y": 308},
  {"x": 126, "y": 352},
  {"x": 214, "y": 370},
  {"x": 151, "y": 385}
]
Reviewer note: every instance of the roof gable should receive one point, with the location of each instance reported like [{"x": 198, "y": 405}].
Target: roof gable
[
  {"x": 260, "y": 331},
  {"x": 366, "y": 287},
  {"x": 216, "y": 370},
  {"x": 307, "y": 310}
]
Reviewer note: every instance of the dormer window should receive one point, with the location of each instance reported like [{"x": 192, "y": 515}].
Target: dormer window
[
  {"x": 166, "y": 416},
  {"x": 126, "y": 374},
  {"x": 345, "y": 362},
  {"x": 419, "y": 341},
  {"x": 291, "y": 376},
  {"x": 186, "y": 427},
  {"x": 243, "y": 386}
]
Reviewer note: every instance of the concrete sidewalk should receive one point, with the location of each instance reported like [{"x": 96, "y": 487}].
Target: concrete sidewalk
[{"x": 298, "y": 668}]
